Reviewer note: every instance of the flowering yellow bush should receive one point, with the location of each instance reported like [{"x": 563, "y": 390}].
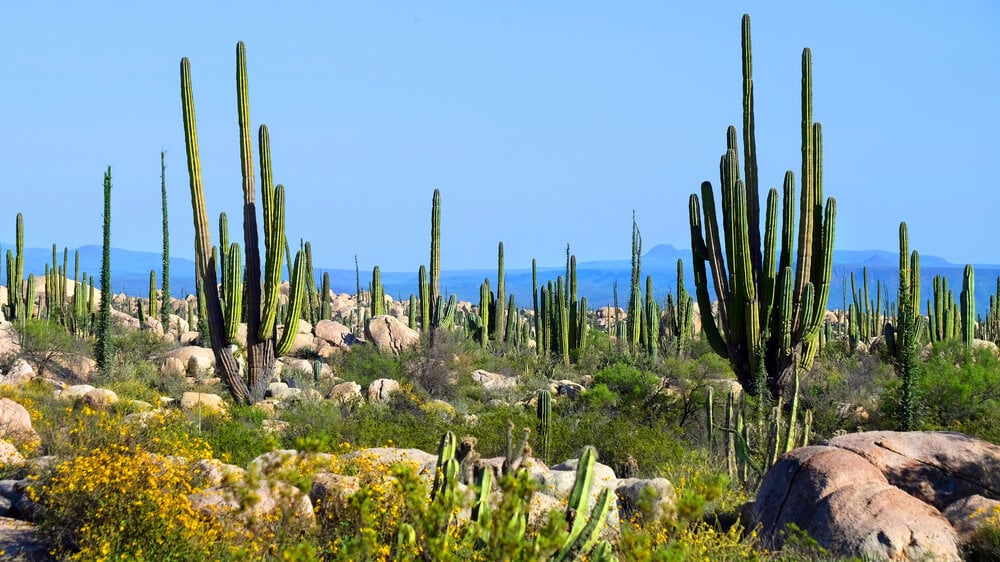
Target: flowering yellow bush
[
  {"x": 122, "y": 491},
  {"x": 123, "y": 503}
]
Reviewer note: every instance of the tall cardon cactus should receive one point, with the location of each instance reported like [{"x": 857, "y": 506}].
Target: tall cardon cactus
[
  {"x": 769, "y": 313},
  {"x": 262, "y": 343}
]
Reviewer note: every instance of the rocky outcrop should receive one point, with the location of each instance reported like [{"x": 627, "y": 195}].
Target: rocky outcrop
[
  {"x": 334, "y": 333},
  {"x": 493, "y": 381},
  {"x": 203, "y": 402},
  {"x": 882, "y": 495},
  {"x": 387, "y": 333},
  {"x": 197, "y": 360}
]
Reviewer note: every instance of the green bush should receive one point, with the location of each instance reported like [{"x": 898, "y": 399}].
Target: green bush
[
  {"x": 238, "y": 437},
  {"x": 317, "y": 422},
  {"x": 365, "y": 364},
  {"x": 631, "y": 384},
  {"x": 43, "y": 342}
]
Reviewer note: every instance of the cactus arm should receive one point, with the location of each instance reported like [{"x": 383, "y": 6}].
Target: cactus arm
[{"x": 296, "y": 295}]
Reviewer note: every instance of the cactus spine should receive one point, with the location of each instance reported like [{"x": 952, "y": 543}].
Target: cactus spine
[
  {"x": 261, "y": 330},
  {"x": 768, "y": 324}
]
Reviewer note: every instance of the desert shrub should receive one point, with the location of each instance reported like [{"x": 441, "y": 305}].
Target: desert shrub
[
  {"x": 600, "y": 397},
  {"x": 120, "y": 490},
  {"x": 433, "y": 376},
  {"x": 631, "y": 384},
  {"x": 365, "y": 364},
  {"x": 839, "y": 383},
  {"x": 120, "y": 502},
  {"x": 687, "y": 531},
  {"x": 374, "y": 523},
  {"x": 984, "y": 545},
  {"x": 378, "y": 424},
  {"x": 237, "y": 437},
  {"x": 43, "y": 341},
  {"x": 316, "y": 421},
  {"x": 962, "y": 389}
]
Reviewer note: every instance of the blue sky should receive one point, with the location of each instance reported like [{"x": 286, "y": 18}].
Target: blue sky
[{"x": 541, "y": 123}]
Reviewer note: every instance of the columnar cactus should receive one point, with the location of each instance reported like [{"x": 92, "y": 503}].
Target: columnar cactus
[
  {"x": 152, "y": 294},
  {"x": 412, "y": 312},
  {"x": 425, "y": 300},
  {"x": 544, "y": 414},
  {"x": 165, "y": 283},
  {"x": 377, "y": 293},
  {"x": 769, "y": 315},
  {"x": 903, "y": 337},
  {"x": 324, "y": 306},
  {"x": 103, "y": 346},
  {"x": 434, "y": 290},
  {"x": 262, "y": 344},
  {"x": 500, "y": 318},
  {"x": 968, "y": 306},
  {"x": 651, "y": 320},
  {"x": 634, "y": 318}
]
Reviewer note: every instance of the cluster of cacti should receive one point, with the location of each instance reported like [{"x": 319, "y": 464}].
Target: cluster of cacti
[
  {"x": 679, "y": 325},
  {"x": 498, "y": 321},
  {"x": 865, "y": 316},
  {"x": 263, "y": 346},
  {"x": 55, "y": 289},
  {"x": 943, "y": 312},
  {"x": 769, "y": 315},
  {"x": 751, "y": 448},
  {"x": 642, "y": 321},
  {"x": 561, "y": 322},
  {"x": 989, "y": 327},
  {"x": 103, "y": 346},
  {"x": 16, "y": 303}
]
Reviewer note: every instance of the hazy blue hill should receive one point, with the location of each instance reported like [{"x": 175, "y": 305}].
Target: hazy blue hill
[{"x": 596, "y": 279}]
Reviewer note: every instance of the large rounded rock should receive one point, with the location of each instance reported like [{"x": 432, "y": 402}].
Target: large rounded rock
[
  {"x": 196, "y": 360},
  {"x": 493, "y": 381},
  {"x": 19, "y": 373},
  {"x": 15, "y": 422},
  {"x": 380, "y": 389},
  {"x": 852, "y": 506},
  {"x": 939, "y": 467},
  {"x": 346, "y": 393},
  {"x": 203, "y": 402},
  {"x": 387, "y": 333},
  {"x": 334, "y": 332}
]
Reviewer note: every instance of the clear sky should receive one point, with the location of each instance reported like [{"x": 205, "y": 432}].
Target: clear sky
[{"x": 541, "y": 122}]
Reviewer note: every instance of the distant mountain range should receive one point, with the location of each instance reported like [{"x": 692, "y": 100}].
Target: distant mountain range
[{"x": 130, "y": 274}]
